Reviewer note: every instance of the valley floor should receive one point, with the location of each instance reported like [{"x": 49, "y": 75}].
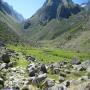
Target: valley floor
[{"x": 44, "y": 69}]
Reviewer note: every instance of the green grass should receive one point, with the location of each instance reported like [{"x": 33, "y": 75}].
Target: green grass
[
  {"x": 46, "y": 55},
  {"x": 49, "y": 55}
]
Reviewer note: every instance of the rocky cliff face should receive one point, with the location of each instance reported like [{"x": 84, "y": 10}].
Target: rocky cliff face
[
  {"x": 57, "y": 9},
  {"x": 88, "y": 5}
]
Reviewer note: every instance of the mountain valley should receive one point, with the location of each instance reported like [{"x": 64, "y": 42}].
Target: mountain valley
[{"x": 49, "y": 51}]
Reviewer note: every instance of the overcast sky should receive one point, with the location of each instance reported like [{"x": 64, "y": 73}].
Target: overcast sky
[{"x": 28, "y": 7}]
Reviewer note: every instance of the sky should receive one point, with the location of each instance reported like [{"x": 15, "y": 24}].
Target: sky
[{"x": 28, "y": 7}]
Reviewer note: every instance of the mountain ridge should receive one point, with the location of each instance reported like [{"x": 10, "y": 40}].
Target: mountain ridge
[
  {"x": 5, "y": 8},
  {"x": 10, "y": 31},
  {"x": 43, "y": 29}
]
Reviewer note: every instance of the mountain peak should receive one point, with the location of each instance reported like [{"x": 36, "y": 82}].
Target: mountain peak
[
  {"x": 57, "y": 9},
  {"x": 64, "y": 2}
]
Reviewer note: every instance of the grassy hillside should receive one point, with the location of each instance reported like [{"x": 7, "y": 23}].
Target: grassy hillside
[
  {"x": 71, "y": 33},
  {"x": 9, "y": 28}
]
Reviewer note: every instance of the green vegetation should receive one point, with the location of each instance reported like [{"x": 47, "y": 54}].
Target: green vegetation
[
  {"x": 49, "y": 55},
  {"x": 46, "y": 55},
  {"x": 20, "y": 61},
  {"x": 72, "y": 33},
  {"x": 9, "y": 28}
]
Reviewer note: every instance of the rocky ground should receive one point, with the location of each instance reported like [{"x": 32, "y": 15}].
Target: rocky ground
[{"x": 74, "y": 75}]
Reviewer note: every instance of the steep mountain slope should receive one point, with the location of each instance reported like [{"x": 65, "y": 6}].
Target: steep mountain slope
[
  {"x": 59, "y": 23},
  {"x": 88, "y": 5},
  {"x": 5, "y": 8},
  {"x": 9, "y": 24}
]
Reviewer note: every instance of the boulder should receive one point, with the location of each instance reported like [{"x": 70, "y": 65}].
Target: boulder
[
  {"x": 62, "y": 74},
  {"x": 2, "y": 66},
  {"x": 6, "y": 58},
  {"x": 56, "y": 87},
  {"x": 61, "y": 79},
  {"x": 1, "y": 82},
  {"x": 10, "y": 64},
  {"x": 86, "y": 64},
  {"x": 83, "y": 66},
  {"x": 58, "y": 64},
  {"x": 38, "y": 79},
  {"x": 56, "y": 70},
  {"x": 30, "y": 58},
  {"x": 31, "y": 72},
  {"x": 75, "y": 61},
  {"x": 67, "y": 83},
  {"x": 79, "y": 67},
  {"x": 15, "y": 88},
  {"x": 88, "y": 69},
  {"x": 43, "y": 68},
  {"x": 84, "y": 78},
  {"x": 67, "y": 71},
  {"x": 49, "y": 83},
  {"x": 25, "y": 88}
]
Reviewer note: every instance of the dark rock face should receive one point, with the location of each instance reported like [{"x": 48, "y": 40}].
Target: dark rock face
[
  {"x": 57, "y": 9},
  {"x": 5, "y": 58},
  {"x": 43, "y": 68}
]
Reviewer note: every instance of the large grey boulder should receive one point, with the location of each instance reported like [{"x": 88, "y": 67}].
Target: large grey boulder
[
  {"x": 31, "y": 70},
  {"x": 88, "y": 69},
  {"x": 58, "y": 64},
  {"x": 30, "y": 58},
  {"x": 75, "y": 61},
  {"x": 56, "y": 70},
  {"x": 38, "y": 79},
  {"x": 86, "y": 64},
  {"x": 63, "y": 74},
  {"x": 43, "y": 68},
  {"x": 84, "y": 78},
  {"x": 3, "y": 66},
  {"x": 49, "y": 83},
  {"x": 61, "y": 79},
  {"x": 83, "y": 66}
]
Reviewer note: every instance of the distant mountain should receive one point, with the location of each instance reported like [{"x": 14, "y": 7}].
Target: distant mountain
[
  {"x": 88, "y": 5},
  {"x": 9, "y": 24},
  {"x": 5, "y": 8},
  {"x": 57, "y": 9},
  {"x": 59, "y": 23}
]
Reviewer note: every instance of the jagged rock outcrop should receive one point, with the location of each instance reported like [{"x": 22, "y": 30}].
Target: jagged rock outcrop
[{"x": 57, "y": 9}]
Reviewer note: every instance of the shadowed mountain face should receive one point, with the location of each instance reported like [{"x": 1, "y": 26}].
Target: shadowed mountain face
[
  {"x": 52, "y": 9},
  {"x": 57, "y": 9}
]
